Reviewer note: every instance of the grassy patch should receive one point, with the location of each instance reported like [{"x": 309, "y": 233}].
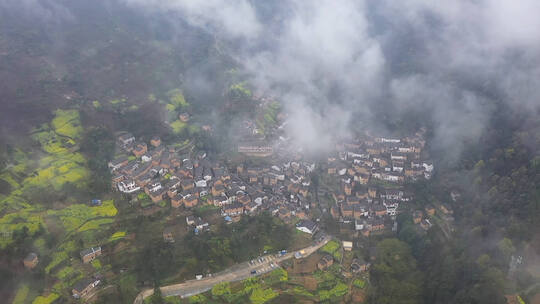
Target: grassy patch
[
  {"x": 300, "y": 291},
  {"x": 58, "y": 167},
  {"x": 269, "y": 117},
  {"x": 339, "y": 290},
  {"x": 65, "y": 272},
  {"x": 58, "y": 173},
  {"x": 260, "y": 296},
  {"x": 240, "y": 89},
  {"x": 57, "y": 258},
  {"x": 359, "y": 283},
  {"x": 95, "y": 224},
  {"x": 78, "y": 216},
  {"x": 39, "y": 243},
  {"x": 67, "y": 123},
  {"x": 8, "y": 177},
  {"x": 46, "y": 300},
  {"x": 249, "y": 285},
  {"x": 177, "y": 126},
  {"x": 177, "y": 99},
  {"x": 17, "y": 221},
  {"x": 21, "y": 294},
  {"x": 276, "y": 276},
  {"x": 118, "y": 101},
  {"x": 96, "y": 264},
  {"x": 146, "y": 203},
  {"x": 332, "y": 248},
  {"x": 196, "y": 299},
  {"x": 117, "y": 236},
  {"x": 324, "y": 276}
]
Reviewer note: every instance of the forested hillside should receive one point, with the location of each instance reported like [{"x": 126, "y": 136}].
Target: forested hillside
[{"x": 496, "y": 201}]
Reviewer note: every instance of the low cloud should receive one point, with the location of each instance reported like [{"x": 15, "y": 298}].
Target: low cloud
[
  {"x": 330, "y": 61},
  {"x": 342, "y": 63}
]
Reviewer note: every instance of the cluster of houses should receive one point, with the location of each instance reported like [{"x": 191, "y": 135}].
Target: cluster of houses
[
  {"x": 393, "y": 160},
  {"x": 370, "y": 173},
  {"x": 282, "y": 186},
  {"x": 162, "y": 173}
]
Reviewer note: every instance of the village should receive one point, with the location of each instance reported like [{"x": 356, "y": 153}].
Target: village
[
  {"x": 360, "y": 185},
  {"x": 369, "y": 174}
]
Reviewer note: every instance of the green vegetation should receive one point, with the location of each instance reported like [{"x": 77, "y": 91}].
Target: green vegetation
[
  {"x": 260, "y": 295},
  {"x": 177, "y": 100},
  {"x": 25, "y": 221},
  {"x": 277, "y": 276},
  {"x": 117, "y": 236},
  {"x": 97, "y": 145},
  {"x": 337, "y": 291},
  {"x": 67, "y": 123},
  {"x": 95, "y": 224},
  {"x": 222, "y": 291},
  {"x": 395, "y": 273},
  {"x": 46, "y": 300},
  {"x": 127, "y": 286},
  {"x": 118, "y": 101},
  {"x": 200, "y": 298},
  {"x": 359, "y": 283},
  {"x": 21, "y": 294},
  {"x": 65, "y": 272},
  {"x": 212, "y": 251},
  {"x": 301, "y": 291},
  {"x": 177, "y": 126},
  {"x": 176, "y": 105},
  {"x": 61, "y": 165},
  {"x": 327, "y": 279},
  {"x": 44, "y": 185},
  {"x": 57, "y": 169},
  {"x": 57, "y": 258},
  {"x": 332, "y": 248},
  {"x": 83, "y": 217},
  {"x": 96, "y": 264},
  {"x": 48, "y": 177},
  {"x": 269, "y": 116},
  {"x": 239, "y": 90}
]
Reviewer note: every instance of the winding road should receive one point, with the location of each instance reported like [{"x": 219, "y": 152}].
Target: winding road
[{"x": 237, "y": 272}]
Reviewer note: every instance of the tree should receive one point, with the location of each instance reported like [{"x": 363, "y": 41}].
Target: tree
[
  {"x": 157, "y": 297},
  {"x": 222, "y": 291},
  {"x": 506, "y": 248},
  {"x": 395, "y": 276},
  {"x": 98, "y": 145},
  {"x": 260, "y": 296},
  {"x": 200, "y": 298}
]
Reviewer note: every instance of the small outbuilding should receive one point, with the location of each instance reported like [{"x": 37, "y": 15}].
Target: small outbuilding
[{"x": 31, "y": 260}]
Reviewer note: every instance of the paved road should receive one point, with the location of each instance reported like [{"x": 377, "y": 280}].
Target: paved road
[{"x": 237, "y": 272}]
